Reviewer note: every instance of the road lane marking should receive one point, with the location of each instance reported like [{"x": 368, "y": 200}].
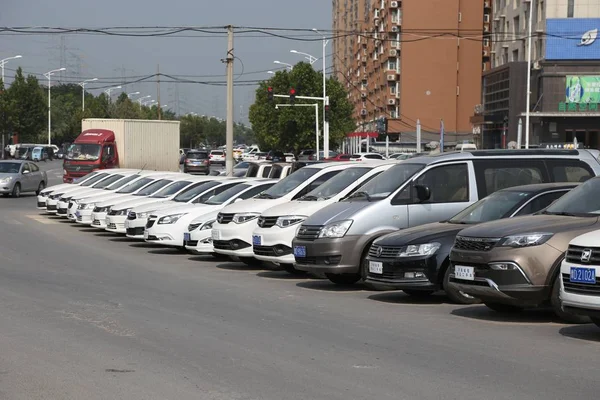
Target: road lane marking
[{"x": 43, "y": 219}]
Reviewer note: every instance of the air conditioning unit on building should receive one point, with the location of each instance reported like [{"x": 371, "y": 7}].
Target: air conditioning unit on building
[
  {"x": 394, "y": 4},
  {"x": 393, "y": 53},
  {"x": 391, "y": 77},
  {"x": 486, "y": 28},
  {"x": 395, "y": 29},
  {"x": 363, "y": 95},
  {"x": 485, "y": 53},
  {"x": 391, "y": 102},
  {"x": 486, "y": 4},
  {"x": 363, "y": 111}
]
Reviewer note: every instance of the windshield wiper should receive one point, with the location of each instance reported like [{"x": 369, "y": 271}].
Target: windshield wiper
[
  {"x": 264, "y": 196},
  {"x": 309, "y": 198},
  {"x": 359, "y": 194},
  {"x": 567, "y": 214}
]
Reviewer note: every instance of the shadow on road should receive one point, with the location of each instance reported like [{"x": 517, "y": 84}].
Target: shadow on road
[
  {"x": 105, "y": 234},
  {"x": 399, "y": 297},
  {"x": 138, "y": 244},
  {"x": 284, "y": 275},
  {"x": 124, "y": 239},
  {"x": 327, "y": 286},
  {"x": 588, "y": 332},
  {"x": 533, "y": 316},
  {"x": 168, "y": 251},
  {"x": 241, "y": 267}
]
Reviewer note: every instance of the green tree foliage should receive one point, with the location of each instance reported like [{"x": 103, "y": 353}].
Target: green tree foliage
[
  {"x": 205, "y": 131},
  {"x": 293, "y": 128},
  {"x": 27, "y": 106}
]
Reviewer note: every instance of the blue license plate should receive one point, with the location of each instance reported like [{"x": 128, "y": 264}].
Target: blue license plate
[
  {"x": 77, "y": 213},
  {"x": 300, "y": 251},
  {"x": 256, "y": 240},
  {"x": 583, "y": 275},
  {"x": 186, "y": 237}
]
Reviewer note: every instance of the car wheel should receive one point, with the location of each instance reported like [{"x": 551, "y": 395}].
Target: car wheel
[
  {"x": 16, "y": 192},
  {"x": 456, "y": 296},
  {"x": 343, "y": 279},
  {"x": 596, "y": 321},
  {"x": 556, "y": 306},
  {"x": 289, "y": 268},
  {"x": 504, "y": 308},
  {"x": 41, "y": 187},
  {"x": 418, "y": 293}
]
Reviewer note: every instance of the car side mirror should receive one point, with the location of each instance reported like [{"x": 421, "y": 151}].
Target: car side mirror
[
  {"x": 238, "y": 200},
  {"x": 25, "y": 172},
  {"x": 423, "y": 193}
]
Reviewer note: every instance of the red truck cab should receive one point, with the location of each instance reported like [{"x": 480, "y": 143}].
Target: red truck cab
[{"x": 92, "y": 150}]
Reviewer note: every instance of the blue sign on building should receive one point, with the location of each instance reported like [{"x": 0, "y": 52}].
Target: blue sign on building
[{"x": 573, "y": 39}]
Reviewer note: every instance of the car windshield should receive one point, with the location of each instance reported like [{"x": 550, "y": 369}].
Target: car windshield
[
  {"x": 386, "y": 183},
  {"x": 171, "y": 189},
  {"x": 153, "y": 187},
  {"x": 584, "y": 200},
  {"x": 495, "y": 206},
  {"x": 196, "y": 156},
  {"x": 83, "y": 151},
  {"x": 107, "y": 181},
  {"x": 244, "y": 164},
  {"x": 288, "y": 183},
  {"x": 89, "y": 176},
  {"x": 132, "y": 187},
  {"x": 226, "y": 195},
  {"x": 336, "y": 184},
  {"x": 122, "y": 182},
  {"x": 191, "y": 192},
  {"x": 94, "y": 179},
  {"x": 10, "y": 167}
]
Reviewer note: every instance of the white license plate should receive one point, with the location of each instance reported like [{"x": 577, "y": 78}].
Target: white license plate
[
  {"x": 256, "y": 240},
  {"x": 145, "y": 234},
  {"x": 216, "y": 235},
  {"x": 375, "y": 267},
  {"x": 464, "y": 273}
]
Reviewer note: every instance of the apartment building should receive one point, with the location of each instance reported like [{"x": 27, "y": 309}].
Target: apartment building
[
  {"x": 413, "y": 60},
  {"x": 565, "y": 58}
]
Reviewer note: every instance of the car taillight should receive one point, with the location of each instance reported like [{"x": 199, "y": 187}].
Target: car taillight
[
  {"x": 310, "y": 158},
  {"x": 210, "y": 156},
  {"x": 206, "y": 161}
]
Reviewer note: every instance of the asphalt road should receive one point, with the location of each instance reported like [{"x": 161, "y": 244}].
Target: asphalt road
[{"x": 87, "y": 315}]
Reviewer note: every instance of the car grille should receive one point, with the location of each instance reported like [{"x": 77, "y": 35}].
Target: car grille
[
  {"x": 96, "y": 222},
  {"x": 79, "y": 218},
  {"x": 384, "y": 251},
  {"x": 150, "y": 223},
  {"x": 79, "y": 168},
  {"x": 51, "y": 207},
  {"x": 581, "y": 288},
  {"x": 474, "y": 244},
  {"x": 271, "y": 251},
  {"x": 135, "y": 231},
  {"x": 230, "y": 244},
  {"x": 41, "y": 204},
  {"x": 224, "y": 218},
  {"x": 309, "y": 232},
  {"x": 191, "y": 243},
  {"x": 575, "y": 253},
  {"x": 111, "y": 226},
  {"x": 267, "y": 222},
  {"x": 193, "y": 227},
  {"x": 62, "y": 211}
]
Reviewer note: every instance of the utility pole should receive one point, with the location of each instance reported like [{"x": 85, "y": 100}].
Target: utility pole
[
  {"x": 158, "y": 90},
  {"x": 229, "y": 122}
]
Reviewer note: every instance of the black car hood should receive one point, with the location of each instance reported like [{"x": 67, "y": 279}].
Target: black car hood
[
  {"x": 420, "y": 234},
  {"x": 530, "y": 224}
]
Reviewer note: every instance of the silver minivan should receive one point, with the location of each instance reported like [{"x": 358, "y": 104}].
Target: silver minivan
[{"x": 336, "y": 239}]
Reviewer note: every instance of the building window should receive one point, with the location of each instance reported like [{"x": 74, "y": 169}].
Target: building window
[
  {"x": 486, "y": 42},
  {"x": 515, "y": 55},
  {"x": 391, "y": 65},
  {"x": 570, "y": 8},
  {"x": 516, "y": 27},
  {"x": 393, "y": 89}
]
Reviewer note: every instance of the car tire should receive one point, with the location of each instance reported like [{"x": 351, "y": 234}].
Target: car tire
[
  {"x": 456, "y": 296},
  {"x": 290, "y": 269},
  {"x": 41, "y": 187},
  {"x": 343, "y": 279},
  {"x": 504, "y": 308},
  {"x": 556, "y": 306},
  {"x": 418, "y": 293},
  {"x": 16, "y": 192}
]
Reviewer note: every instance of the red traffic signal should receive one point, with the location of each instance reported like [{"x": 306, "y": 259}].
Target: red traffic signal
[
  {"x": 270, "y": 93},
  {"x": 292, "y": 95}
]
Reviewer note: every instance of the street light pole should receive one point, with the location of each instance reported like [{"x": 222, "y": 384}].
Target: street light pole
[
  {"x": 142, "y": 99},
  {"x": 528, "y": 93},
  {"x": 82, "y": 84},
  {"x": 311, "y": 59},
  {"x": 2, "y": 62},
  {"x": 289, "y": 66},
  {"x": 326, "y": 101},
  {"x": 48, "y": 75},
  {"x": 107, "y": 91},
  {"x": 131, "y": 94}
]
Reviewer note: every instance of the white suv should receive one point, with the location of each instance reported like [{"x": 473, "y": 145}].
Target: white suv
[
  {"x": 217, "y": 157},
  {"x": 580, "y": 277}
]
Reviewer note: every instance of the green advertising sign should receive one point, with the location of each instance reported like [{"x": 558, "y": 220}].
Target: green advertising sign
[{"x": 583, "y": 89}]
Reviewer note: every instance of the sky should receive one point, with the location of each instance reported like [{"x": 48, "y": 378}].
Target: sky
[{"x": 124, "y": 59}]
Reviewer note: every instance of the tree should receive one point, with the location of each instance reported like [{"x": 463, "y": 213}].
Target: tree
[
  {"x": 293, "y": 128},
  {"x": 28, "y": 105}
]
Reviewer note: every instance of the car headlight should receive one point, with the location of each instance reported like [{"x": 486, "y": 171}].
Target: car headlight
[
  {"x": 416, "y": 250},
  {"x": 336, "y": 229},
  {"x": 89, "y": 206},
  {"x": 289, "y": 220},
  {"x": 207, "y": 225},
  {"x": 76, "y": 201},
  {"x": 525, "y": 240},
  {"x": 244, "y": 217},
  {"x": 123, "y": 212},
  {"x": 170, "y": 219},
  {"x": 142, "y": 215},
  {"x": 100, "y": 209},
  {"x": 6, "y": 180}
]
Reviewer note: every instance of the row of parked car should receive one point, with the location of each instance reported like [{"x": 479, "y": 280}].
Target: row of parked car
[{"x": 500, "y": 227}]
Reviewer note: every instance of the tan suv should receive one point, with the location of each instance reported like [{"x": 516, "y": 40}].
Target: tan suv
[{"x": 514, "y": 263}]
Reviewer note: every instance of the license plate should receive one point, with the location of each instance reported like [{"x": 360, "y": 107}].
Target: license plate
[
  {"x": 300, "y": 251},
  {"x": 256, "y": 240},
  {"x": 145, "y": 234},
  {"x": 216, "y": 235},
  {"x": 464, "y": 273},
  {"x": 375, "y": 267},
  {"x": 77, "y": 214},
  {"x": 186, "y": 237},
  {"x": 583, "y": 275}
]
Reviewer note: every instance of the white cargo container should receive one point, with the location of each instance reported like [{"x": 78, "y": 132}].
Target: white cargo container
[{"x": 148, "y": 144}]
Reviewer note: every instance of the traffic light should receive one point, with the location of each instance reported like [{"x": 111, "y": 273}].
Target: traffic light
[
  {"x": 327, "y": 111},
  {"x": 292, "y": 96},
  {"x": 270, "y": 93},
  {"x": 385, "y": 125}
]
